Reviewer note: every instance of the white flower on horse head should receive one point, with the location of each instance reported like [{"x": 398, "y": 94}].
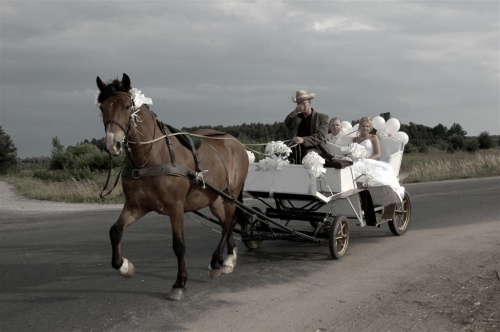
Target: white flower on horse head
[{"x": 96, "y": 97}]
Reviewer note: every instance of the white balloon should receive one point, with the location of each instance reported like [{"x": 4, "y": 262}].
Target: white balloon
[
  {"x": 346, "y": 125},
  {"x": 378, "y": 123},
  {"x": 354, "y": 130},
  {"x": 392, "y": 126},
  {"x": 402, "y": 136}
]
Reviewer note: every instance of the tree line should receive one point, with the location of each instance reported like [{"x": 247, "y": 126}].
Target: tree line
[{"x": 80, "y": 160}]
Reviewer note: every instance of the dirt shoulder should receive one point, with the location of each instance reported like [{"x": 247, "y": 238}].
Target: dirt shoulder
[{"x": 11, "y": 202}]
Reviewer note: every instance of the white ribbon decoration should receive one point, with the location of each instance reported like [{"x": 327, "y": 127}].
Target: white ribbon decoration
[
  {"x": 272, "y": 162},
  {"x": 251, "y": 156},
  {"x": 313, "y": 162}
]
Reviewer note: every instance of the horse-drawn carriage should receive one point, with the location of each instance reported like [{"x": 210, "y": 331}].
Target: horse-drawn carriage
[
  {"x": 326, "y": 202},
  {"x": 163, "y": 174}
]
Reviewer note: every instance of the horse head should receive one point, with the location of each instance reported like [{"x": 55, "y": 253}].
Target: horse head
[{"x": 116, "y": 105}]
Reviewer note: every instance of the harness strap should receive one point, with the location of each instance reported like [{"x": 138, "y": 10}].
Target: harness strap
[
  {"x": 169, "y": 141},
  {"x": 155, "y": 170},
  {"x": 195, "y": 154},
  {"x": 224, "y": 165}
]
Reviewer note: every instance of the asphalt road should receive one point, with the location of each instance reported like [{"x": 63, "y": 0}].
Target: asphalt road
[{"x": 56, "y": 275}]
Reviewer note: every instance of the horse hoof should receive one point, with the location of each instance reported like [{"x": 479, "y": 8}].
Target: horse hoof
[
  {"x": 176, "y": 294},
  {"x": 127, "y": 269},
  {"x": 226, "y": 269},
  {"x": 214, "y": 273},
  {"x": 229, "y": 263}
]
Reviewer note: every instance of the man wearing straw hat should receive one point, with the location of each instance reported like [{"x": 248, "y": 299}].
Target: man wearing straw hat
[{"x": 309, "y": 128}]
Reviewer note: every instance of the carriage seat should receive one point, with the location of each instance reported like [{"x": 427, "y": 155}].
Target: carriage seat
[{"x": 391, "y": 152}]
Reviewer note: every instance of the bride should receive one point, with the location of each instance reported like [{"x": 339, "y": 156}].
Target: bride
[{"x": 377, "y": 173}]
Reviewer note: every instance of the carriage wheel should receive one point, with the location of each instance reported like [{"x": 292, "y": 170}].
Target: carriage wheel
[
  {"x": 250, "y": 226},
  {"x": 339, "y": 237},
  {"x": 402, "y": 215}
]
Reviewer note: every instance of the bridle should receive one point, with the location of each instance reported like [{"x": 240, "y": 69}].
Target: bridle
[
  {"x": 126, "y": 142},
  {"x": 126, "y": 130}
]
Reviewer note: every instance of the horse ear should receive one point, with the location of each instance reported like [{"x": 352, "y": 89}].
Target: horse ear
[
  {"x": 126, "y": 82},
  {"x": 100, "y": 84}
]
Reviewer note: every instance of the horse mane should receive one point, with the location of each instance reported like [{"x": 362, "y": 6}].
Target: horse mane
[{"x": 111, "y": 88}]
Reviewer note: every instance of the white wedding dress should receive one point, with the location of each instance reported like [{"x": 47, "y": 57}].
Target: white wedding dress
[{"x": 376, "y": 173}]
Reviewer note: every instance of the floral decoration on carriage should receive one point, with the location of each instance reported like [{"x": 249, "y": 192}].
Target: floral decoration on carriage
[{"x": 277, "y": 154}]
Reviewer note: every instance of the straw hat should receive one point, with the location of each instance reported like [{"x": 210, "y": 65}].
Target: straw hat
[{"x": 302, "y": 95}]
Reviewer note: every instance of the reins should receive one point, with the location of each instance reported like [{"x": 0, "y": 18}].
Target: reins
[
  {"x": 109, "y": 176},
  {"x": 204, "y": 136}
]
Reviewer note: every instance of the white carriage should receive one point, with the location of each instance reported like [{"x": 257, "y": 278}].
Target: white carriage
[{"x": 326, "y": 202}]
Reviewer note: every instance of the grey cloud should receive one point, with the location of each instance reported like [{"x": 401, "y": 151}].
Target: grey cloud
[{"x": 240, "y": 62}]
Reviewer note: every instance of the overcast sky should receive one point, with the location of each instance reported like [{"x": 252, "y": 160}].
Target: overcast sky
[{"x": 235, "y": 62}]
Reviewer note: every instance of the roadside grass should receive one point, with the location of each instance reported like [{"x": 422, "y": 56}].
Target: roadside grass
[
  {"x": 436, "y": 165},
  {"x": 439, "y": 165},
  {"x": 70, "y": 191}
]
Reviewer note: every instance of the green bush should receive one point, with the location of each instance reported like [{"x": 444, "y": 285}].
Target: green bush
[
  {"x": 8, "y": 152},
  {"x": 82, "y": 174},
  {"x": 442, "y": 145},
  {"x": 423, "y": 149},
  {"x": 60, "y": 161},
  {"x": 52, "y": 175},
  {"x": 82, "y": 149},
  {"x": 485, "y": 141},
  {"x": 83, "y": 156},
  {"x": 457, "y": 142},
  {"x": 472, "y": 145},
  {"x": 409, "y": 148},
  {"x": 94, "y": 160}
]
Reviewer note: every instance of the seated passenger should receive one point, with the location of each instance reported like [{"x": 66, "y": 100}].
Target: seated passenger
[
  {"x": 338, "y": 135},
  {"x": 377, "y": 173},
  {"x": 369, "y": 141},
  {"x": 309, "y": 128}
]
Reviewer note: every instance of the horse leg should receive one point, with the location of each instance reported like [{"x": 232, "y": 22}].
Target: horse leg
[
  {"x": 179, "y": 288},
  {"x": 128, "y": 216},
  {"x": 225, "y": 217},
  {"x": 230, "y": 260},
  {"x": 230, "y": 211}
]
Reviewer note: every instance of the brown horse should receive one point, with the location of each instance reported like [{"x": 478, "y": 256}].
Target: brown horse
[{"x": 164, "y": 176}]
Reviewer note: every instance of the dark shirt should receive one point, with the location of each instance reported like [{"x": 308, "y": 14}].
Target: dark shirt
[
  {"x": 304, "y": 128},
  {"x": 315, "y": 128}
]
